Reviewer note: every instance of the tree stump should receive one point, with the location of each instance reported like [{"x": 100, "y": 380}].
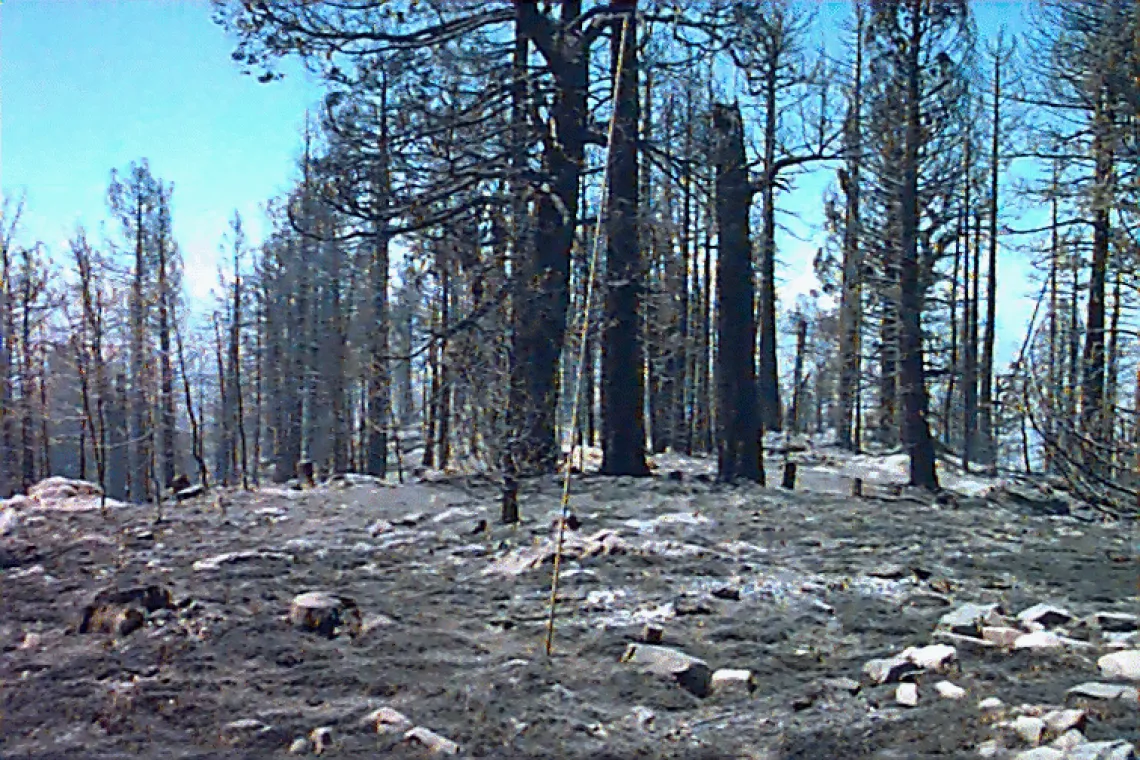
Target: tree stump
[
  {"x": 306, "y": 473},
  {"x": 789, "y": 481},
  {"x": 325, "y": 614}
]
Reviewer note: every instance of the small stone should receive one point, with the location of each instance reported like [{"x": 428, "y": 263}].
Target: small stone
[
  {"x": 1097, "y": 690},
  {"x": 385, "y": 720},
  {"x": 234, "y": 730},
  {"x": 322, "y": 738},
  {"x": 1029, "y": 729},
  {"x": 1040, "y": 753},
  {"x": 933, "y": 657},
  {"x": 849, "y": 685},
  {"x": 408, "y": 520},
  {"x": 890, "y": 669},
  {"x": 968, "y": 618},
  {"x": 642, "y": 717},
  {"x": 300, "y": 746},
  {"x": 31, "y": 640},
  {"x": 1068, "y": 740},
  {"x": 731, "y": 680},
  {"x": 652, "y": 633},
  {"x": 379, "y": 528},
  {"x": 1001, "y": 635},
  {"x": 1118, "y": 750},
  {"x": 1038, "y": 640},
  {"x": 1060, "y": 721},
  {"x": 1046, "y": 615},
  {"x": 431, "y": 741},
  {"x": 326, "y": 614},
  {"x": 692, "y": 674},
  {"x": 907, "y": 694},
  {"x": 967, "y": 643},
  {"x": 890, "y": 571},
  {"x": 990, "y": 703},
  {"x": 988, "y": 748},
  {"x": 1115, "y": 622},
  {"x": 1125, "y": 664},
  {"x": 949, "y": 690}
]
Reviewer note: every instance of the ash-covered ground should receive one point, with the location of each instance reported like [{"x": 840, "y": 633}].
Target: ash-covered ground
[{"x": 801, "y": 588}]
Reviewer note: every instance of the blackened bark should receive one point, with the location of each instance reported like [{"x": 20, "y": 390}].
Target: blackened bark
[
  {"x": 623, "y": 415},
  {"x": 916, "y": 430},
  {"x": 738, "y": 428},
  {"x": 851, "y": 298}
]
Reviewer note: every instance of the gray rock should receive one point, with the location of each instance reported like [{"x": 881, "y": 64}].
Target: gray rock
[
  {"x": 1060, "y": 721},
  {"x": 300, "y": 746},
  {"x": 1046, "y": 615},
  {"x": 1029, "y": 729},
  {"x": 385, "y": 720},
  {"x": 431, "y": 741},
  {"x": 692, "y": 674},
  {"x": 1097, "y": 690},
  {"x": 890, "y": 669},
  {"x": 326, "y": 614},
  {"x": 948, "y": 690},
  {"x": 1001, "y": 636},
  {"x": 1068, "y": 740},
  {"x": 322, "y": 739},
  {"x": 1040, "y": 753},
  {"x": 1118, "y": 750},
  {"x": 733, "y": 681},
  {"x": 933, "y": 657},
  {"x": 1115, "y": 622},
  {"x": 907, "y": 694},
  {"x": 968, "y": 619},
  {"x": 1125, "y": 664}
]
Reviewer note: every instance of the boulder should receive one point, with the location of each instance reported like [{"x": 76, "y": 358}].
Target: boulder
[
  {"x": 1046, "y": 615},
  {"x": 907, "y": 694},
  {"x": 1125, "y": 664},
  {"x": 326, "y": 614},
  {"x": 692, "y": 674},
  {"x": 431, "y": 741},
  {"x": 890, "y": 669},
  {"x": 969, "y": 618}
]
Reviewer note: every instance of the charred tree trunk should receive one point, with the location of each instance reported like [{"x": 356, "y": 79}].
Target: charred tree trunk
[
  {"x": 738, "y": 425},
  {"x": 916, "y": 430},
  {"x": 623, "y": 415}
]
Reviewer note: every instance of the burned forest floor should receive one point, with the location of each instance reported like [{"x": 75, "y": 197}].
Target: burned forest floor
[{"x": 438, "y": 642}]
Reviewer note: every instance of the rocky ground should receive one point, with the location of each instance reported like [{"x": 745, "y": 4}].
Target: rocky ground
[{"x": 122, "y": 637}]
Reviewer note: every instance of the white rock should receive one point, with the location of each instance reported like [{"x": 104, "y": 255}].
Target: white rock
[
  {"x": 1060, "y": 721},
  {"x": 1125, "y": 664},
  {"x": 322, "y": 739},
  {"x": 949, "y": 690},
  {"x": 1115, "y": 622},
  {"x": 1118, "y": 750},
  {"x": 1045, "y": 614},
  {"x": 733, "y": 680},
  {"x": 1001, "y": 635},
  {"x": 300, "y": 746},
  {"x": 889, "y": 669},
  {"x": 1068, "y": 740},
  {"x": 906, "y": 694},
  {"x": 692, "y": 674},
  {"x": 988, "y": 748},
  {"x": 431, "y": 741},
  {"x": 1097, "y": 690},
  {"x": 967, "y": 618},
  {"x": 1039, "y": 640},
  {"x": 933, "y": 657},
  {"x": 991, "y": 703},
  {"x": 1040, "y": 753},
  {"x": 385, "y": 720},
  {"x": 7, "y": 520},
  {"x": 1029, "y": 729}
]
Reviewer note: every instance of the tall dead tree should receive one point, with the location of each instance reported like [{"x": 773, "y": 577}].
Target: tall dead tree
[
  {"x": 623, "y": 412},
  {"x": 739, "y": 431}
]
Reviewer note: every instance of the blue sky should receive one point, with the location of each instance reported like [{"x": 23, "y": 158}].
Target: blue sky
[{"x": 90, "y": 85}]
